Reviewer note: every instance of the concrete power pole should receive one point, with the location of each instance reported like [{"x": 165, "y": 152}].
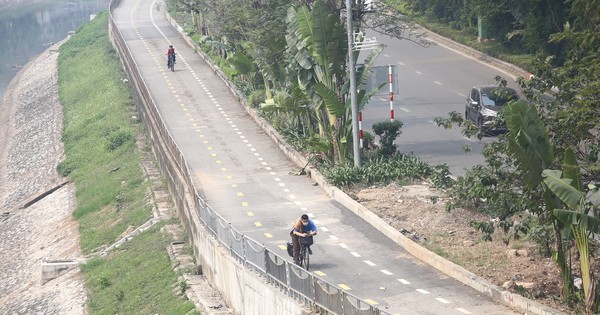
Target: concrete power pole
[{"x": 352, "y": 69}]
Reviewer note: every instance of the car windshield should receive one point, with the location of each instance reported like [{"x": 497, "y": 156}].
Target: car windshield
[{"x": 494, "y": 96}]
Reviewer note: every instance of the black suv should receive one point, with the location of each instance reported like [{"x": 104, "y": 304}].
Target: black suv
[{"x": 484, "y": 102}]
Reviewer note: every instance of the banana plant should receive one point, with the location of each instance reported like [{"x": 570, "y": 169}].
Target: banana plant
[
  {"x": 317, "y": 41},
  {"x": 577, "y": 216},
  {"x": 530, "y": 146},
  {"x": 244, "y": 67}
]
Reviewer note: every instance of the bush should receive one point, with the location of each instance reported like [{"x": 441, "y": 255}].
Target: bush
[
  {"x": 381, "y": 170},
  {"x": 256, "y": 97},
  {"x": 387, "y": 131}
]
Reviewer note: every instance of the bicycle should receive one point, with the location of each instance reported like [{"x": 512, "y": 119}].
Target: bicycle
[
  {"x": 305, "y": 251},
  {"x": 171, "y": 63}
]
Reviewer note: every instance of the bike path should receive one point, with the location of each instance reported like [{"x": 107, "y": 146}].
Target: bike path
[{"x": 246, "y": 178}]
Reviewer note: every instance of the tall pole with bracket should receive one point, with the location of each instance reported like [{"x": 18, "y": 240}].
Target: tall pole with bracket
[{"x": 352, "y": 69}]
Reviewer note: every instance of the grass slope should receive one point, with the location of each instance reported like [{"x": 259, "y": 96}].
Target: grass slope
[{"x": 104, "y": 163}]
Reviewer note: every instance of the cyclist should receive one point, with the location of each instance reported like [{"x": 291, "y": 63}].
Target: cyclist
[
  {"x": 170, "y": 54},
  {"x": 303, "y": 227}
]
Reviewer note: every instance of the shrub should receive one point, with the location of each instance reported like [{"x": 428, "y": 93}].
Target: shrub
[{"x": 387, "y": 131}]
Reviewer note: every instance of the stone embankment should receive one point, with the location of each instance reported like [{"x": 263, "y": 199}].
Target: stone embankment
[{"x": 32, "y": 230}]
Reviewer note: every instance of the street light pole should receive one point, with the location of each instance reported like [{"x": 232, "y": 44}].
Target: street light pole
[{"x": 352, "y": 68}]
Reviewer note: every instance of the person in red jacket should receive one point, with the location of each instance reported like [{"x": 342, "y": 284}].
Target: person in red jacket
[{"x": 170, "y": 54}]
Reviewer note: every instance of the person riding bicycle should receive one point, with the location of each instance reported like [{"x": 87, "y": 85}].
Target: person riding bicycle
[
  {"x": 303, "y": 227},
  {"x": 170, "y": 54}
]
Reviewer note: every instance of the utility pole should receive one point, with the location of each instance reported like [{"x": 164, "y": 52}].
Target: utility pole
[{"x": 352, "y": 69}]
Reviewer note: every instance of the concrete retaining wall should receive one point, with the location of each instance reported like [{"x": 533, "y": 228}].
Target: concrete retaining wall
[{"x": 244, "y": 290}]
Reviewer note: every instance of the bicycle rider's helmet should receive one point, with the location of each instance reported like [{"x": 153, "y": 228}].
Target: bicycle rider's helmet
[{"x": 170, "y": 46}]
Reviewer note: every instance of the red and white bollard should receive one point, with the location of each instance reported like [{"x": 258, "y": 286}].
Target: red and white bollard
[
  {"x": 360, "y": 133},
  {"x": 390, "y": 81}
]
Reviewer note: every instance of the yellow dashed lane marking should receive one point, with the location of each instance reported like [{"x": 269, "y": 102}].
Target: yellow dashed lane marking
[
  {"x": 240, "y": 194},
  {"x": 257, "y": 223},
  {"x": 269, "y": 235},
  {"x": 233, "y": 185},
  {"x": 218, "y": 161},
  {"x": 320, "y": 273},
  {"x": 244, "y": 204},
  {"x": 209, "y": 148},
  {"x": 229, "y": 177},
  {"x": 205, "y": 141},
  {"x": 283, "y": 247},
  {"x": 371, "y": 302},
  {"x": 250, "y": 213},
  {"x": 344, "y": 287},
  {"x": 223, "y": 169}
]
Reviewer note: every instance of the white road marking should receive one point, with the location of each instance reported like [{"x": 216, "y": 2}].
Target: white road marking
[
  {"x": 462, "y": 310},
  {"x": 401, "y": 63},
  {"x": 460, "y": 94},
  {"x": 370, "y": 263},
  {"x": 438, "y": 82},
  {"x": 404, "y": 281},
  {"x": 333, "y": 237},
  {"x": 386, "y": 272},
  {"x": 342, "y": 245},
  {"x": 404, "y": 110},
  {"x": 418, "y": 72},
  {"x": 324, "y": 229},
  {"x": 422, "y": 291},
  {"x": 355, "y": 254},
  {"x": 442, "y": 300}
]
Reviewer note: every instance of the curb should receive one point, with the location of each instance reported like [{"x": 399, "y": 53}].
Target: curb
[
  {"x": 515, "y": 301},
  {"x": 506, "y": 67}
]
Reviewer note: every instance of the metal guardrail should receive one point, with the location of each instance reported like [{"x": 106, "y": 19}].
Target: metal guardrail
[{"x": 298, "y": 283}]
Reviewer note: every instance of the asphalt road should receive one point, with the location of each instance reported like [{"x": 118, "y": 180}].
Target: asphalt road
[
  {"x": 433, "y": 81},
  {"x": 245, "y": 178}
]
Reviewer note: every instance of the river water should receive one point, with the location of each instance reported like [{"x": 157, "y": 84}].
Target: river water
[{"x": 28, "y": 27}]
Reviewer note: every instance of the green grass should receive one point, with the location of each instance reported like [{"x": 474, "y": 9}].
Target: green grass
[
  {"x": 104, "y": 163},
  {"x": 136, "y": 279},
  {"x": 101, "y": 155}
]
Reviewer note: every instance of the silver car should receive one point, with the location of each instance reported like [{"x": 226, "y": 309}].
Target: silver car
[{"x": 484, "y": 102}]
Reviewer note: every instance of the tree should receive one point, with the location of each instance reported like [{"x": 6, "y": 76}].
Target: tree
[{"x": 317, "y": 41}]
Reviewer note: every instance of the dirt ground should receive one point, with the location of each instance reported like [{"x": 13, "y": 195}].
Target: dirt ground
[{"x": 419, "y": 213}]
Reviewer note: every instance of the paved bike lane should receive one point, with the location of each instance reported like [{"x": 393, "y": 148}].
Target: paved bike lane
[{"x": 246, "y": 178}]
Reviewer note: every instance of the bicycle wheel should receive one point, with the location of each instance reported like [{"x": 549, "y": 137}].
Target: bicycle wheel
[
  {"x": 172, "y": 66},
  {"x": 305, "y": 260}
]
